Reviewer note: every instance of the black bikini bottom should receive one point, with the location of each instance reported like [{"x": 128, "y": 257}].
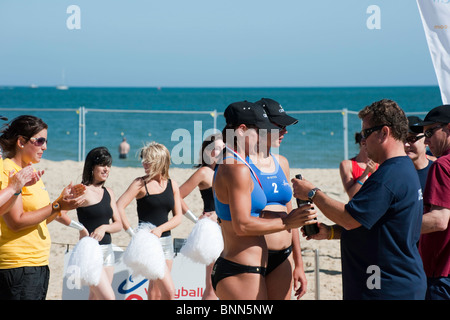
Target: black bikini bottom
[
  {"x": 224, "y": 268},
  {"x": 277, "y": 257}
]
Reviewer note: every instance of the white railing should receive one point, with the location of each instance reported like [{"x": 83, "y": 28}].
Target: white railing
[{"x": 81, "y": 112}]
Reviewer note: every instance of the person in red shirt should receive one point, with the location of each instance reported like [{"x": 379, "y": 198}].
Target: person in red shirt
[
  {"x": 356, "y": 170},
  {"x": 434, "y": 243}
]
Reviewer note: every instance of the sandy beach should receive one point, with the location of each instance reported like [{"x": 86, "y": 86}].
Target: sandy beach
[{"x": 59, "y": 174}]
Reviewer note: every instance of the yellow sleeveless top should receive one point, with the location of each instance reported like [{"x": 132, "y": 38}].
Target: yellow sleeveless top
[
  {"x": 1, "y": 171},
  {"x": 29, "y": 247}
]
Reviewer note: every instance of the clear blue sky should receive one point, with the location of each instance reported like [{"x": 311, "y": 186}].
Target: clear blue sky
[{"x": 231, "y": 43}]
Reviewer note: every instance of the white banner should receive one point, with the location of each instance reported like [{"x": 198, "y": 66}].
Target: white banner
[{"x": 435, "y": 16}]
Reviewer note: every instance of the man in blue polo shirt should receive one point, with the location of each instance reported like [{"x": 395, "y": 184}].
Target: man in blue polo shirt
[{"x": 380, "y": 258}]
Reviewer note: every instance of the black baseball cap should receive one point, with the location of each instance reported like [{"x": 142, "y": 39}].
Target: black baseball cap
[
  {"x": 3, "y": 118},
  {"x": 438, "y": 114},
  {"x": 413, "y": 126},
  {"x": 276, "y": 112},
  {"x": 244, "y": 112}
]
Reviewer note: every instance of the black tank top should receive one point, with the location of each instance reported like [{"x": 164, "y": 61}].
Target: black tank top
[
  {"x": 96, "y": 215},
  {"x": 155, "y": 208},
  {"x": 208, "y": 200}
]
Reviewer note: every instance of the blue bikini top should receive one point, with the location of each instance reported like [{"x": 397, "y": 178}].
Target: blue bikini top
[
  {"x": 275, "y": 185},
  {"x": 258, "y": 197}
]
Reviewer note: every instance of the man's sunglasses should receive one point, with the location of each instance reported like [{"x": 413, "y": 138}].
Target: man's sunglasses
[
  {"x": 38, "y": 142},
  {"x": 367, "y": 132},
  {"x": 429, "y": 133},
  {"x": 413, "y": 139}
]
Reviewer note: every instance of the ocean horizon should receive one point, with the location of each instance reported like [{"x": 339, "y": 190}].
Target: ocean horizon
[{"x": 112, "y": 113}]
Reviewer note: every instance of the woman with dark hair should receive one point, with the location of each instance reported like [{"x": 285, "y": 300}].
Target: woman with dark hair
[
  {"x": 356, "y": 170},
  {"x": 27, "y": 176},
  {"x": 202, "y": 178},
  {"x": 285, "y": 264},
  {"x": 239, "y": 272},
  {"x": 24, "y": 238},
  {"x": 95, "y": 215}
]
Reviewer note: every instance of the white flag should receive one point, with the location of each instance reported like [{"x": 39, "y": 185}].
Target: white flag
[{"x": 436, "y": 22}]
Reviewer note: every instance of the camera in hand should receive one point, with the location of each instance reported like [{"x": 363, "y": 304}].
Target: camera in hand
[{"x": 310, "y": 229}]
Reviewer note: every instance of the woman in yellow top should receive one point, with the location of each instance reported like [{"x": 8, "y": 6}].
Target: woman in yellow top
[
  {"x": 24, "y": 239},
  {"x": 26, "y": 176}
]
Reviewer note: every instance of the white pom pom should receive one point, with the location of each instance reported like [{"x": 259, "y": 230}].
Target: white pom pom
[
  {"x": 87, "y": 260},
  {"x": 144, "y": 255},
  {"x": 205, "y": 242}
]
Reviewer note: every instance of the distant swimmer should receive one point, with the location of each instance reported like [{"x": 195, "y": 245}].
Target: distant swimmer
[{"x": 124, "y": 148}]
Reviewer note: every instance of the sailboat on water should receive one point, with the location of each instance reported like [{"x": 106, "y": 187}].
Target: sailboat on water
[{"x": 63, "y": 86}]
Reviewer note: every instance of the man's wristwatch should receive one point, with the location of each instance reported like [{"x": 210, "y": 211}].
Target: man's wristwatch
[{"x": 312, "y": 194}]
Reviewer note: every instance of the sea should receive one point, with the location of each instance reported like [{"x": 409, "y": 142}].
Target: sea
[{"x": 80, "y": 119}]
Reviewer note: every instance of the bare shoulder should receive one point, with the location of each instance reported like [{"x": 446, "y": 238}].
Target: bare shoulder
[
  {"x": 233, "y": 173},
  {"x": 282, "y": 160},
  {"x": 345, "y": 164},
  {"x": 174, "y": 184},
  {"x": 204, "y": 173},
  {"x": 137, "y": 184},
  {"x": 140, "y": 181},
  {"x": 110, "y": 191}
]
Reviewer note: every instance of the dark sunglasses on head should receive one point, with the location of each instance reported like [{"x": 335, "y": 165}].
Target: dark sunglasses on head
[
  {"x": 367, "y": 132},
  {"x": 413, "y": 139},
  {"x": 38, "y": 142},
  {"x": 429, "y": 133}
]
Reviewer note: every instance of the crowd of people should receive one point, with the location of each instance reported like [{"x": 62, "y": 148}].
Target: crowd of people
[{"x": 395, "y": 240}]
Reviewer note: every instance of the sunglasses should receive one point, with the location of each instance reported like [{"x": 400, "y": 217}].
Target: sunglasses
[
  {"x": 367, "y": 132},
  {"x": 429, "y": 133},
  {"x": 413, "y": 139},
  {"x": 38, "y": 142},
  {"x": 280, "y": 127}
]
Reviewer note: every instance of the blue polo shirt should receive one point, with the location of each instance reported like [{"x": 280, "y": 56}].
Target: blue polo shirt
[{"x": 380, "y": 259}]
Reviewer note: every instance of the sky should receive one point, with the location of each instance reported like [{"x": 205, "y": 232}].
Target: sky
[{"x": 211, "y": 43}]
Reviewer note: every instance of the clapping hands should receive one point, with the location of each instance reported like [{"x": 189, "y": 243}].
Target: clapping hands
[{"x": 72, "y": 196}]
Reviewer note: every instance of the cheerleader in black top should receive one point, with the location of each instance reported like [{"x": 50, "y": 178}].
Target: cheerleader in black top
[
  {"x": 96, "y": 214},
  {"x": 212, "y": 148},
  {"x": 156, "y": 195}
]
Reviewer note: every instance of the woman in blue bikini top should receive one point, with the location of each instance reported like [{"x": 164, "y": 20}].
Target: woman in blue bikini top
[
  {"x": 285, "y": 265},
  {"x": 239, "y": 272},
  {"x": 258, "y": 197}
]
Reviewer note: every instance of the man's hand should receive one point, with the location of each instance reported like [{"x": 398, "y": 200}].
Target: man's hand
[{"x": 301, "y": 188}]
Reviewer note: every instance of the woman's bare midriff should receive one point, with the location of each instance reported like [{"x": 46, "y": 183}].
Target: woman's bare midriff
[
  {"x": 278, "y": 240},
  {"x": 246, "y": 250}
]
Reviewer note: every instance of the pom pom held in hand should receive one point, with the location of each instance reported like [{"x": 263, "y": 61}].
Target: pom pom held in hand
[
  {"x": 205, "y": 242},
  {"x": 86, "y": 262},
  {"x": 144, "y": 255}
]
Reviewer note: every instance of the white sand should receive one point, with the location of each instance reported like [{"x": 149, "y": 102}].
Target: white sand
[{"x": 59, "y": 174}]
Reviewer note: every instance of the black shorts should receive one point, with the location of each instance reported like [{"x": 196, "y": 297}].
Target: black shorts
[
  {"x": 224, "y": 268},
  {"x": 277, "y": 257},
  {"x": 25, "y": 283}
]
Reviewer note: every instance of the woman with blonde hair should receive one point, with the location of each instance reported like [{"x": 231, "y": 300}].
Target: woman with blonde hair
[{"x": 156, "y": 195}]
